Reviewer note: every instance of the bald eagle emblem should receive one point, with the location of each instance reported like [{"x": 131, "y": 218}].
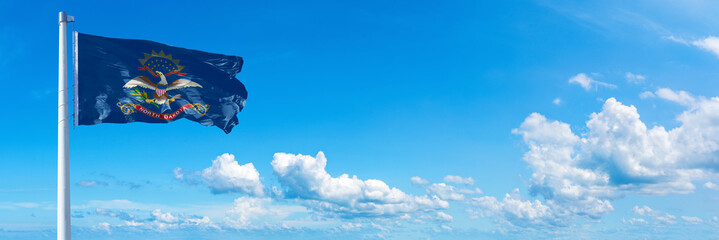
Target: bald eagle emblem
[{"x": 160, "y": 66}]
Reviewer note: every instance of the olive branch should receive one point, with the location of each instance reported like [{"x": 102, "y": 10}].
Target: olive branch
[{"x": 142, "y": 96}]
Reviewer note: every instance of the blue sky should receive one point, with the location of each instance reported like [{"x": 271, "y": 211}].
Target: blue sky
[{"x": 451, "y": 120}]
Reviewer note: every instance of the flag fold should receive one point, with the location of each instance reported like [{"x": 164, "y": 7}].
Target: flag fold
[{"x": 124, "y": 80}]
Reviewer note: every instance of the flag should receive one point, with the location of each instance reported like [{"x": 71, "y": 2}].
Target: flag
[{"x": 124, "y": 80}]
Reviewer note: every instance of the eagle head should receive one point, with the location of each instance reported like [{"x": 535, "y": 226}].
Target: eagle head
[{"x": 163, "y": 81}]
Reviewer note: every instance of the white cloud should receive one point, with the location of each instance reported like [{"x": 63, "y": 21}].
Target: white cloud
[
  {"x": 446, "y": 228},
  {"x": 635, "y": 78},
  {"x": 190, "y": 178},
  {"x": 711, "y": 185},
  {"x": 646, "y": 94},
  {"x": 445, "y": 191},
  {"x": 444, "y": 217},
  {"x": 103, "y": 226},
  {"x": 710, "y": 44},
  {"x": 227, "y": 176},
  {"x": 351, "y": 226},
  {"x": 660, "y": 216},
  {"x": 17, "y": 205},
  {"x": 179, "y": 174},
  {"x": 167, "y": 217},
  {"x": 203, "y": 223},
  {"x": 133, "y": 223},
  {"x": 114, "y": 213},
  {"x": 617, "y": 155},
  {"x": 458, "y": 180},
  {"x": 515, "y": 211},
  {"x": 245, "y": 209},
  {"x": 588, "y": 83},
  {"x": 418, "y": 180},
  {"x": 306, "y": 179},
  {"x": 117, "y": 204},
  {"x": 439, "y": 216},
  {"x": 677, "y": 40},
  {"x": 714, "y": 221},
  {"x": 91, "y": 183},
  {"x": 639, "y": 159},
  {"x": 680, "y": 97},
  {"x": 557, "y": 101},
  {"x": 260, "y": 212},
  {"x": 448, "y": 192},
  {"x": 692, "y": 220},
  {"x": 635, "y": 221},
  {"x": 158, "y": 220}
]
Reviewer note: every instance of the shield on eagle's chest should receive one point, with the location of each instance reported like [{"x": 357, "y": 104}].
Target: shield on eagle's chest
[{"x": 160, "y": 92}]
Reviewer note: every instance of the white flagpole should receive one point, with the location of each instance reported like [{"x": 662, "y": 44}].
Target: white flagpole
[{"x": 63, "y": 157}]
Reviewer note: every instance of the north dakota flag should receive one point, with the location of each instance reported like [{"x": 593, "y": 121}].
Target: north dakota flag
[{"x": 123, "y": 80}]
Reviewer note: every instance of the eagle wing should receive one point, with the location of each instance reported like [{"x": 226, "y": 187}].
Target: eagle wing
[
  {"x": 140, "y": 81},
  {"x": 182, "y": 83}
]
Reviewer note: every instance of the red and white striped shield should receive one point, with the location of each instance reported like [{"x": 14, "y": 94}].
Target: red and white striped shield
[{"x": 160, "y": 92}]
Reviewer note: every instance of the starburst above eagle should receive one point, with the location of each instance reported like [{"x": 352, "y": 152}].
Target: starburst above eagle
[{"x": 156, "y": 63}]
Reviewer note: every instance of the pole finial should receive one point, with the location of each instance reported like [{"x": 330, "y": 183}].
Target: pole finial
[{"x": 63, "y": 17}]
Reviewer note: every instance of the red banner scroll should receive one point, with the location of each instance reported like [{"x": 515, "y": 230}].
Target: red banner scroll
[{"x": 162, "y": 116}]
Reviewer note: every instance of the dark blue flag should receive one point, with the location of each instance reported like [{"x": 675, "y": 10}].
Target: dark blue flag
[{"x": 123, "y": 80}]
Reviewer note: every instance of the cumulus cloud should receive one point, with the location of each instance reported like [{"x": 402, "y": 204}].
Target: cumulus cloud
[
  {"x": 711, "y": 185},
  {"x": 619, "y": 152},
  {"x": 710, "y": 44},
  {"x": 166, "y": 217},
  {"x": 635, "y": 78},
  {"x": 588, "y": 83},
  {"x": 579, "y": 175},
  {"x": 515, "y": 211},
  {"x": 458, "y": 180},
  {"x": 227, "y": 176},
  {"x": 305, "y": 178},
  {"x": 245, "y": 209},
  {"x": 557, "y": 101}
]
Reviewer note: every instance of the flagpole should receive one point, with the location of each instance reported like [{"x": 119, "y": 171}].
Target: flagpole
[{"x": 63, "y": 157}]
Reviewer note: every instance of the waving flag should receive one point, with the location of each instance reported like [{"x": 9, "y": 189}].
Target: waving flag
[{"x": 123, "y": 81}]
